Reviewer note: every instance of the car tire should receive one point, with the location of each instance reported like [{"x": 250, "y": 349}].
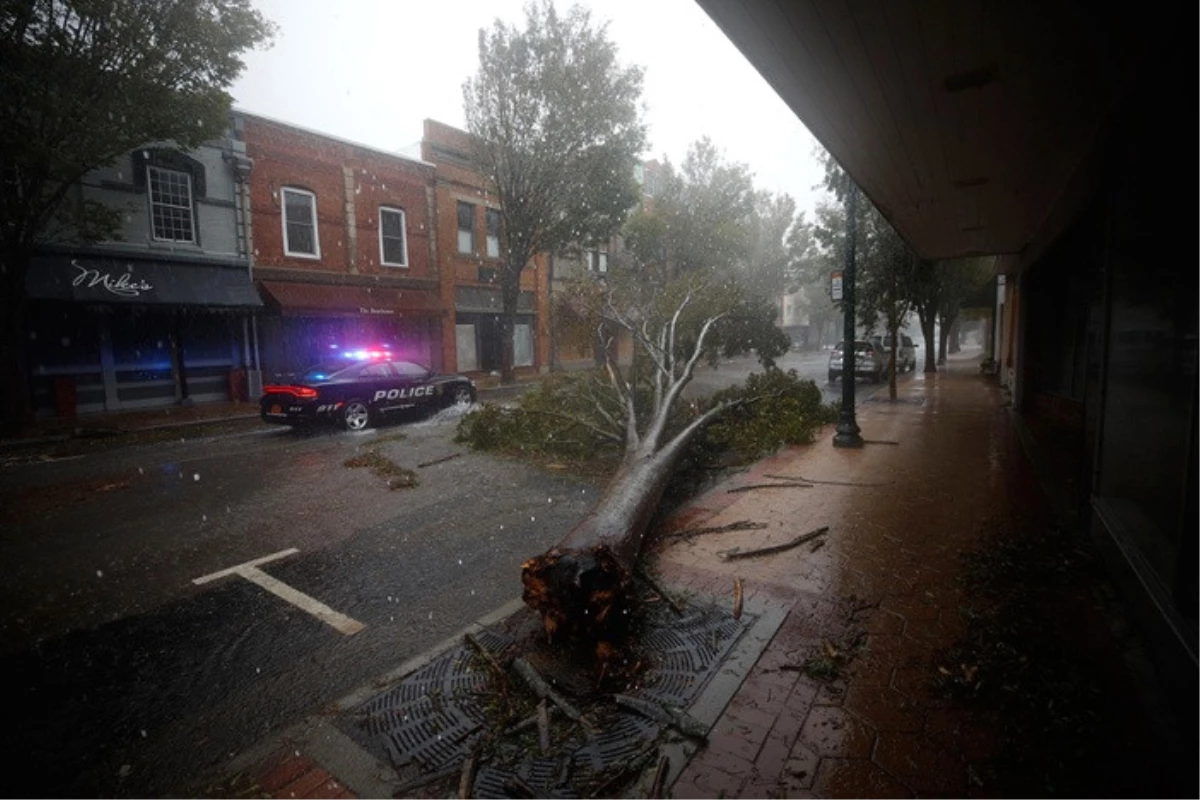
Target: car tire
[
  {"x": 833, "y": 376},
  {"x": 462, "y": 395},
  {"x": 356, "y": 416}
]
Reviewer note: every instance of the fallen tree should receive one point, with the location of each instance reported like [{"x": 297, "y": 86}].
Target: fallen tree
[{"x": 582, "y": 586}]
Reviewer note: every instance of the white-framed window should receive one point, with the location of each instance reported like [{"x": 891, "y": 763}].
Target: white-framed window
[
  {"x": 597, "y": 261},
  {"x": 300, "y": 223},
  {"x": 493, "y": 233},
  {"x": 393, "y": 247},
  {"x": 466, "y": 227},
  {"x": 170, "y": 194}
]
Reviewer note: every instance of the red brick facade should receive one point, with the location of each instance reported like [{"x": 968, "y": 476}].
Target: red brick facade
[
  {"x": 343, "y": 295},
  {"x": 457, "y": 181}
]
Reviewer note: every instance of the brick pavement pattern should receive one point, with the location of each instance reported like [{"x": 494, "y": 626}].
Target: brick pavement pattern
[{"x": 884, "y": 586}]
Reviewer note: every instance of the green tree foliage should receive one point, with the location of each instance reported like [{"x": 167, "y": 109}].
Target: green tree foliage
[
  {"x": 81, "y": 83},
  {"x": 558, "y": 130},
  {"x": 570, "y": 420}
]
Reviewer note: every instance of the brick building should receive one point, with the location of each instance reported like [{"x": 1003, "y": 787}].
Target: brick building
[
  {"x": 343, "y": 251},
  {"x": 468, "y": 245},
  {"x": 161, "y": 313}
]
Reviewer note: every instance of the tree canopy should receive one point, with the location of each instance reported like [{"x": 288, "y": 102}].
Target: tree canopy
[{"x": 558, "y": 130}]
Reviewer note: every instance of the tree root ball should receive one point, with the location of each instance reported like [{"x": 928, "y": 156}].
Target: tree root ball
[{"x": 582, "y": 595}]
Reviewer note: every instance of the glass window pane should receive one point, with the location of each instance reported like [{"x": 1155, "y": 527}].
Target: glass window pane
[
  {"x": 466, "y": 216},
  {"x": 464, "y": 242}
]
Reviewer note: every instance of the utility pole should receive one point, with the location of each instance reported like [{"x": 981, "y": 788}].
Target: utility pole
[{"x": 847, "y": 428}]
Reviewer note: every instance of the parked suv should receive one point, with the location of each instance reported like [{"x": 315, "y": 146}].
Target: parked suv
[
  {"x": 906, "y": 352},
  {"x": 870, "y": 361}
]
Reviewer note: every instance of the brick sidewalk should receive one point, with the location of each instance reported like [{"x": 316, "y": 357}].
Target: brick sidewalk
[{"x": 845, "y": 702}]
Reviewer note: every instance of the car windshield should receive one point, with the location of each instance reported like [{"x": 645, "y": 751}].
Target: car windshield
[{"x": 328, "y": 371}]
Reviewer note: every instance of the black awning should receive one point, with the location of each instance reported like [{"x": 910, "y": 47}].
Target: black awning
[{"x": 108, "y": 279}]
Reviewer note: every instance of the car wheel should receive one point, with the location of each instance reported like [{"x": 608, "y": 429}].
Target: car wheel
[
  {"x": 462, "y": 395},
  {"x": 356, "y": 416},
  {"x": 833, "y": 376}
]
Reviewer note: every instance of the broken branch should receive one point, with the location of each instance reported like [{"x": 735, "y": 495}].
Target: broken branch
[
  {"x": 543, "y": 723},
  {"x": 659, "y": 590},
  {"x": 546, "y": 692},
  {"x": 737, "y": 598},
  {"x": 770, "y": 486},
  {"x": 438, "y": 460},
  {"x": 737, "y": 552},
  {"x": 823, "y": 483},
  {"x": 470, "y": 639},
  {"x": 742, "y": 525}
]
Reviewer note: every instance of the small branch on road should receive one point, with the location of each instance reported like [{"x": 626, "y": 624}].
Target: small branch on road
[
  {"x": 737, "y": 552},
  {"x": 737, "y": 598},
  {"x": 438, "y": 460}
]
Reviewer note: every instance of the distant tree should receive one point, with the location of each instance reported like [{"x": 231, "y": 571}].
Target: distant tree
[
  {"x": 701, "y": 221},
  {"x": 885, "y": 266},
  {"x": 960, "y": 279},
  {"x": 558, "y": 130},
  {"x": 81, "y": 83}
]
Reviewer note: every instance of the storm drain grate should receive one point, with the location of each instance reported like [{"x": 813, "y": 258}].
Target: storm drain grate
[{"x": 433, "y": 716}]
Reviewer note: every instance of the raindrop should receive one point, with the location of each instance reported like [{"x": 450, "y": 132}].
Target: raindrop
[
  {"x": 196, "y": 476},
  {"x": 99, "y": 574},
  {"x": 533, "y": 519},
  {"x": 460, "y": 562},
  {"x": 472, "y": 593},
  {"x": 141, "y": 471},
  {"x": 549, "y": 499},
  {"x": 143, "y": 733},
  {"x": 431, "y": 615},
  {"x": 258, "y": 671},
  {"x": 501, "y": 527},
  {"x": 204, "y": 517}
]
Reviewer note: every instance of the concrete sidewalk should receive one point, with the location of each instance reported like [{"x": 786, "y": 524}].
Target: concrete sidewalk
[{"x": 855, "y": 696}]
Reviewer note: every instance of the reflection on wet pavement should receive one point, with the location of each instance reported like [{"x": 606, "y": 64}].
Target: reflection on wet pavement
[{"x": 846, "y": 702}]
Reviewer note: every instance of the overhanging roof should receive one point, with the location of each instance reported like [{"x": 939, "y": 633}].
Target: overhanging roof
[
  {"x": 964, "y": 121},
  {"x": 325, "y": 300}
]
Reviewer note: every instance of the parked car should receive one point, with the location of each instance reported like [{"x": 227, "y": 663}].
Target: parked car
[
  {"x": 363, "y": 393},
  {"x": 870, "y": 361},
  {"x": 906, "y": 351}
]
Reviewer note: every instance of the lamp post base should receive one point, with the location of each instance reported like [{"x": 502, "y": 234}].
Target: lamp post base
[{"x": 847, "y": 434}]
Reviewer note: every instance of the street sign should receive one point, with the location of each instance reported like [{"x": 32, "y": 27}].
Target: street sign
[{"x": 836, "y": 285}]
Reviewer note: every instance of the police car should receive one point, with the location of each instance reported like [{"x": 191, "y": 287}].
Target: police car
[{"x": 362, "y": 393}]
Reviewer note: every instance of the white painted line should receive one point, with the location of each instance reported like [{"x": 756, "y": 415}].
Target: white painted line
[
  {"x": 291, "y": 551},
  {"x": 339, "y": 622},
  {"x": 251, "y": 572}
]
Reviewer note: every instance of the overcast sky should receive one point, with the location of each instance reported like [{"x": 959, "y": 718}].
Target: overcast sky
[{"x": 373, "y": 70}]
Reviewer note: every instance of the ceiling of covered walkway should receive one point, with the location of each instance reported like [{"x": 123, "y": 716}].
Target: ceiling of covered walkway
[{"x": 965, "y": 121}]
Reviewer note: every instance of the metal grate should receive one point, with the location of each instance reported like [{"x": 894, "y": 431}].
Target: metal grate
[{"x": 432, "y": 718}]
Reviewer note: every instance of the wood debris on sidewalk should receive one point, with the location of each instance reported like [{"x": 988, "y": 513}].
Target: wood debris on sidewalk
[{"x": 737, "y": 552}]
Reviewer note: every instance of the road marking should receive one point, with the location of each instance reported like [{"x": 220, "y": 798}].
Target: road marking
[{"x": 250, "y": 571}]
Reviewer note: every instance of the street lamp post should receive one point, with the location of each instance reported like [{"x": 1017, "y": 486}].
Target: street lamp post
[{"x": 847, "y": 428}]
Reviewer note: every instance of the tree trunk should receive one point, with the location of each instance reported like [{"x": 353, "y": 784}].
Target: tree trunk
[
  {"x": 943, "y": 336},
  {"x": 581, "y": 586},
  {"x": 927, "y": 332},
  {"x": 956, "y": 335},
  {"x": 893, "y": 331},
  {"x": 510, "y": 292}
]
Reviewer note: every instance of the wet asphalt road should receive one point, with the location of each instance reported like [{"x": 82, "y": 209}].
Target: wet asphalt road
[{"x": 125, "y": 678}]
